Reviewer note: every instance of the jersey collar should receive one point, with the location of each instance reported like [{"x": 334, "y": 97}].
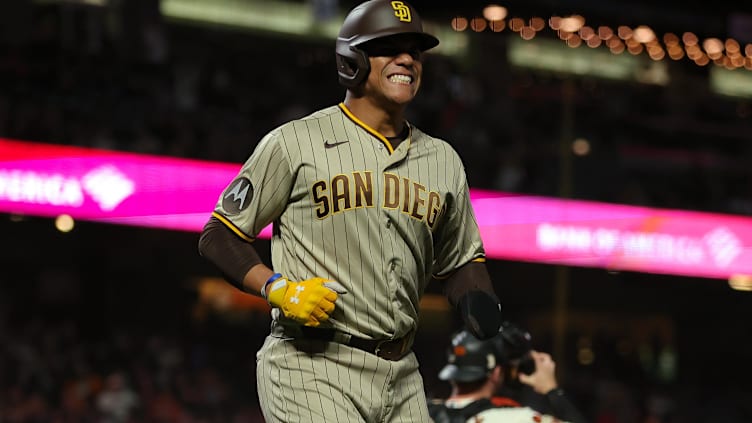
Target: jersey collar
[{"x": 372, "y": 131}]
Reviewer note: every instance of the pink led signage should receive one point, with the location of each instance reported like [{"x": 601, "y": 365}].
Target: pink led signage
[
  {"x": 179, "y": 194},
  {"x": 582, "y": 233},
  {"x": 107, "y": 186}
]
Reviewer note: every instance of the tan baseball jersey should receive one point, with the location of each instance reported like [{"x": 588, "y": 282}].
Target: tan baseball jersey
[{"x": 347, "y": 206}]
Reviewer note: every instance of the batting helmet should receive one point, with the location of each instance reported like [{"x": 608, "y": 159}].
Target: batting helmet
[
  {"x": 368, "y": 21},
  {"x": 470, "y": 359}
]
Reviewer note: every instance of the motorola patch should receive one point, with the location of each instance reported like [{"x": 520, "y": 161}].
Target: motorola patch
[{"x": 237, "y": 196}]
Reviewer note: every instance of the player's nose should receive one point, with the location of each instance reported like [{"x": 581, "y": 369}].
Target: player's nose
[{"x": 408, "y": 56}]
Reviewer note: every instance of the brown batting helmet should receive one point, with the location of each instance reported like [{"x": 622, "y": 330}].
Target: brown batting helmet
[{"x": 371, "y": 20}]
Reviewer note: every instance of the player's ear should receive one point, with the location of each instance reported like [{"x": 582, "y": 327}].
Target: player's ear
[{"x": 497, "y": 375}]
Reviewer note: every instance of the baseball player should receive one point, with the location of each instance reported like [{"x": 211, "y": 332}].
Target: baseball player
[
  {"x": 480, "y": 369},
  {"x": 366, "y": 209}
]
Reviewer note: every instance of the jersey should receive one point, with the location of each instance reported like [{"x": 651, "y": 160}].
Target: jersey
[
  {"x": 497, "y": 409},
  {"x": 347, "y": 206}
]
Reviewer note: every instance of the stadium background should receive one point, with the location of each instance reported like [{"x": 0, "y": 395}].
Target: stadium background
[{"x": 79, "y": 307}]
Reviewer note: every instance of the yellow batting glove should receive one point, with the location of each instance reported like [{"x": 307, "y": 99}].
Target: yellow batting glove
[{"x": 308, "y": 302}]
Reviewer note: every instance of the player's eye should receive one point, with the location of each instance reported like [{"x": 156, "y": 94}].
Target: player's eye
[
  {"x": 391, "y": 50},
  {"x": 392, "y": 46}
]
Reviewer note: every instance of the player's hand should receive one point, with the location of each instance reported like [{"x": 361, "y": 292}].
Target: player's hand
[
  {"x": 543, "y": 379},
  {"x": 308, "y": 302}
]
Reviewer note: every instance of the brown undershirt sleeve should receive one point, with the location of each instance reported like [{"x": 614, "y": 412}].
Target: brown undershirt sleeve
[
  {"x": 470, "y": 277},
  {"x": 470, "y": 291},
  {"x": 233, "y": 255}
]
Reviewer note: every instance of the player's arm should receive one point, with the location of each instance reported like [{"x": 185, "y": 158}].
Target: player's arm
[
  {"x": 235, "y": 257},
  {"x": 470, "y": 291},
  {"x": 227, "y": 238},
  {"x": 543, "y": 381},
  {"x": 563, "y": 408},
  {"x": 308, "y": 302},
  {"x": 468, "y": 287}
]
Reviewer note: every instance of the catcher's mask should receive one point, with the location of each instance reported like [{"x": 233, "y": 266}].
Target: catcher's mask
[{"x": 470, "y": 359}]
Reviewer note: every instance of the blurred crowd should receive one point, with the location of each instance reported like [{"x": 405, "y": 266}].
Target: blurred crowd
[
  {"x": 52, "y": 373},
  {"x": 121, "y": 78},
  {"x": 55, "y": 369}
]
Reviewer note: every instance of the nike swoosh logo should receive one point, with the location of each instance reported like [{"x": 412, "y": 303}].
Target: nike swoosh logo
[{"x": 328, "y": 144}]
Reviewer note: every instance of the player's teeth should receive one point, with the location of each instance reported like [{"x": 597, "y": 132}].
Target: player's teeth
[{"x": 404, "y": 79}]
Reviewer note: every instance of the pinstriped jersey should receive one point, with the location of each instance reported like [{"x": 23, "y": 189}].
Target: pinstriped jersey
[{"x": 347, "y": 206}]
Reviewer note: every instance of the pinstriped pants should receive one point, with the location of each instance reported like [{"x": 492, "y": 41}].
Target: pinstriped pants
[{"x": 316, "y": 381}]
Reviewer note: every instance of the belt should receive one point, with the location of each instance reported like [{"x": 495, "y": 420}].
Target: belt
[{"x": 388, "y": 349}]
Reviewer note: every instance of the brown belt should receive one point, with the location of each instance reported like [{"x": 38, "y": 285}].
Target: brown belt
[{"x": 388, "y": 349}]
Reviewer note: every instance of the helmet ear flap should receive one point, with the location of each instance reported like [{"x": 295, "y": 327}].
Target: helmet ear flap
[{"x": 353, "y": 65}]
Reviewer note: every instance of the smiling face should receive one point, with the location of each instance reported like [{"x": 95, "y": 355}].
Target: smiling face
[{"x": 396, "y": 70}]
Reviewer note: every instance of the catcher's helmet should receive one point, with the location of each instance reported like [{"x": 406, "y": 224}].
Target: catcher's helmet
[
  {"x": 368, "y": 21},
  {"x": 470, "y": 359}
]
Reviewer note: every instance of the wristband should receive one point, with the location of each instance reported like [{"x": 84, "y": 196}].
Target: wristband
[{"x": 271, "y": 279}]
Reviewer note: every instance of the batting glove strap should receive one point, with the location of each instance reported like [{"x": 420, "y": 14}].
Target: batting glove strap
[
  {"x": 308, "y": 302},
  {"x": 272, "y": 279}
]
